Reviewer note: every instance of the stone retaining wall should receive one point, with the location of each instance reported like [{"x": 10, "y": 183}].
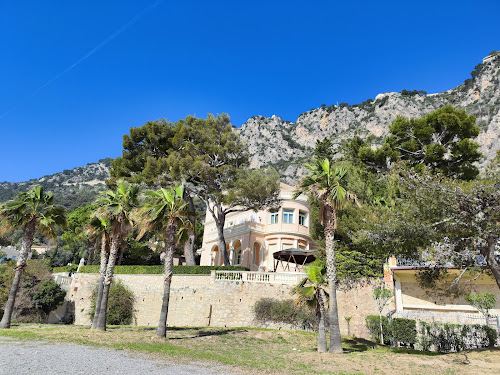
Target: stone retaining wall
[{"x": 200, "y": 300}]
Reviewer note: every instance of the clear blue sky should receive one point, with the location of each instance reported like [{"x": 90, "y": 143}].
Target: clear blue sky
[{"x": 146, "y": 60}]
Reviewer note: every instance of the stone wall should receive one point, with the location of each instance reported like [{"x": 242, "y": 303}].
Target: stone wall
[{"x": 200, "y": 300}]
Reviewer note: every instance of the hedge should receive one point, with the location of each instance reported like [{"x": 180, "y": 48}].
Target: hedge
[
  {"x": 70, "y": 268},
  {"x": 404, "y": 331},
  {"x": 156, "y": 270},
  {"x": 447, "y": 337},
  {"x": 441, "y": 337}
]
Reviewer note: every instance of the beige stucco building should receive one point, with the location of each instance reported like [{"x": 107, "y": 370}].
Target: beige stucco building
[{"x": 253, "y": 237}]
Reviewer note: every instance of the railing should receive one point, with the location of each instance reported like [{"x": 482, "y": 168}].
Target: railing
[
  {"x": 466, "y": 260},
  {"x": 259, "y": 277},
  {"x": 63, "y": 280},
  {"x": 450, "y": 317}
]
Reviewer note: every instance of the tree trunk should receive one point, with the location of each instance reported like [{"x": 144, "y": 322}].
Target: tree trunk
[
  {"x": 322, "y": 346},
  {"x": 110, "y": 268},
  {"x": 491, "y": 261},
  {"x": 381, "y": 329},
  {"x": 189, "y": 245},
  {"x": 29, "y": 233},
  {"x": 219, "y": 222},
  {"x": 104, "y": 262},
  {"x": 93, "y": 251},
  {"x": 122, "y": 251},
  {"x": 329, "y": 220},
  {"x": 168, "y": 261}
]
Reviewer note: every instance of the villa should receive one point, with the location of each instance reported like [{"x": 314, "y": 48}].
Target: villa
[{"x": 267, "y": 240}]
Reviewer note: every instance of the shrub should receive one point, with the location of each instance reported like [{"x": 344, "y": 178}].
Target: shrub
[
  {"x": 120, "y": 304},
  {"x": 48, "y": 296},
  {"x": 404, "y": 331},
  {"x": 286, "y": 311},
  {"x": 72, "y": 268},
  {"x": 26, "y": 310},
  {"x": 158, "y": 270},
  {"x": 373, "y": 325},
  {"x": 446, "y": 337}
]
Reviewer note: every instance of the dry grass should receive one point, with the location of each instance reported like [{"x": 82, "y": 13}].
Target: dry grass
[{"x": 266, "y": 351}]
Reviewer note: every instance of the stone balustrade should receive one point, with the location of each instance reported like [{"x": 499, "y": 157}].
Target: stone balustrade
[{"x": 283, "y": 278}]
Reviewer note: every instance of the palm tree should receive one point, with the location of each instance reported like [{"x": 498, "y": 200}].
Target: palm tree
[
  {"x": 166, "y": 212},
  {"x": 312, "y": 291},
  {"x": 326, "y": 184},
  {"x": 116, "y": 207},
  {"x": 98, "y": 229},
  {"x": 30, "y": 210}
]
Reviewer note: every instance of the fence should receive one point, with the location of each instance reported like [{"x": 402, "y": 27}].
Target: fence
[
  {"x": 450, "y": 317},
  {"x": 259, "y": 277}
]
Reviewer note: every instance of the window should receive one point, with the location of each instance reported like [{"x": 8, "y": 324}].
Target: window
[
  {"x": 302, "y": 218},
  {"x": 274, "y": 217},
  {"x": 288, "y": 216}
]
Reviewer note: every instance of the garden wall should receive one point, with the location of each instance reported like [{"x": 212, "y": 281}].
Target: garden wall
[{"x": 200, "y": 300}]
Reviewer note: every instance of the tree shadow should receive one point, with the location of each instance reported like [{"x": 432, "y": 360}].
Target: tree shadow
[
  {"x": 205, "y": 333},
  {"x": 357, "y": 344}
]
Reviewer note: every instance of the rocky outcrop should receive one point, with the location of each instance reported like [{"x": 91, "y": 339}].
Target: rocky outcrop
[{"x": 285, "y": 145}]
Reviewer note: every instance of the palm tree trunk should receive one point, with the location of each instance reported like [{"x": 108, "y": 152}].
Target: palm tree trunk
[
  {"x": 93, "y": 251},
  {"x": 104, "y": 262},
  {"x": 322, "y": 346},
  {"x": 168, "y": 261},
  {"x": 331, "y": 270},
  {"x": 122, "y": 251},
  {"x": 103, "y": 310},
  {"x": 29, "y": 233}
]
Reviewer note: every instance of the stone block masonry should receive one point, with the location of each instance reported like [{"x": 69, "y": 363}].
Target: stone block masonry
[{"x": 201, "y": 300}]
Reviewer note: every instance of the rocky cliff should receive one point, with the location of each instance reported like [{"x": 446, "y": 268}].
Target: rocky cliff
[
  {"x": 72, "y": 187},
  {"x": 285, "y": 145}
]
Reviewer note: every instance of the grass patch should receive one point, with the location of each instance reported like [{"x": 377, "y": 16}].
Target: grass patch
[{"x": 263, "y": 350}]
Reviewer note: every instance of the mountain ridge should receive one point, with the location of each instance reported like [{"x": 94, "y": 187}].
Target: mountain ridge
[{"x": 285, "y": 145}]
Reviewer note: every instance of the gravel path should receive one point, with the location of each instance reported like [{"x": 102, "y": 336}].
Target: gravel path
[{"x": 26, "y": 358}]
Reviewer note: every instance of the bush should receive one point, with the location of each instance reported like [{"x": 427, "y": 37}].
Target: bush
[
  {"x": 404, "y": 331},
  {"x": 286, "y": 311},
  {"x": 25, "y": 310},
  {"x": 120, "y": 304},
  {"x": 72, "y": 268},
  {"x": 373, "y": 325},
  {"x": 158, "y": 270},
  {"x": 446, "y": 337},
  {"x": 48, "y": 296}
]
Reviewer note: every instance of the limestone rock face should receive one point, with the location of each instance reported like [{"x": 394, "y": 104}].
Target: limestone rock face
[{"x": 285, "y": 145}]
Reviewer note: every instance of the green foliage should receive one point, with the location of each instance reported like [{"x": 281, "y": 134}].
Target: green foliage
[
  {"x": 48, "y": 296},
  {"x": 37, "y": 205},
  {"x": 154, "y": 270},
  {"x": 483, "y": 301},
  {"x": 446, "y": 337},
  {"x": 120, "y": 304},
  {"x": 441, "y": 141},
  {"x": 285, "y": 311},
  {"x": 373, "y": 325},
  {"x": 413, "y": 92},
  {"x": 35, "y": 273},
  {"x": 74, "y": 238},
  {"x": 72, "y": 268},
  {"x": 382, "y": 296},
  {"x": 404, "y": 331},
  {"x": 60, "y": 257}
]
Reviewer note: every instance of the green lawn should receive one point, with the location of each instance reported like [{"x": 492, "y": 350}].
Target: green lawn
[{"x": 265, "y": 351}]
